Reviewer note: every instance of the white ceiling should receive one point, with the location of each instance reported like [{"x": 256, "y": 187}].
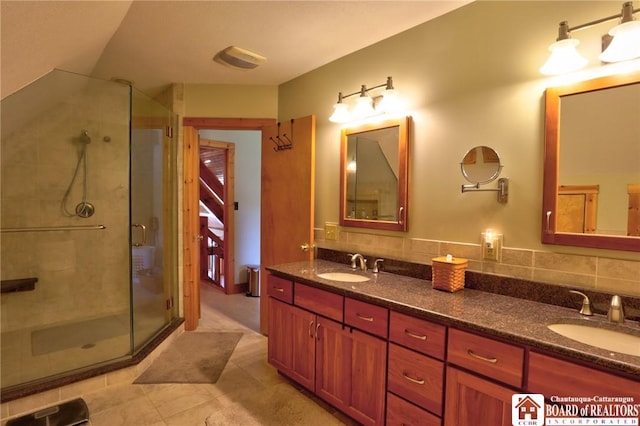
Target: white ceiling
[{"x": 156, "y": 43}]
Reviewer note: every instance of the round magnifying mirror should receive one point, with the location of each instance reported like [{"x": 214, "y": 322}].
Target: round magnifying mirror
[{"x": 481, "y": 164}]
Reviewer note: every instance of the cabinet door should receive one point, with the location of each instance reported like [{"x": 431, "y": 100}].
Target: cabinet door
[
  {"x": 303, "y": 347},
  {"x": 280, "y": 324},
  {"x": 291, "y": 344},
  {"x": 470, "y": 398},
  {"x": 368, "y": 367},
  {"x": 333, "y": 363}
]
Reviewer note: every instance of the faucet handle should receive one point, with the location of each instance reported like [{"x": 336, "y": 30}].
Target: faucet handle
[
  {"x": 353, "y": 260},
  {"x": 586, "y": 305},
  {"x": 376, "y": 265}
]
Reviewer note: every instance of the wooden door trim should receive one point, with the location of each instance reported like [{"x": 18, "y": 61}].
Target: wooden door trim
[
  {"x": 191, "y": 229},
  {"x": 191, "y": 286},
  {"x": 228, "y": 123}
]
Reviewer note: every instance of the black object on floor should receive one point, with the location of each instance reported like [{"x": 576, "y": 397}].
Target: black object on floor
[{"x": 70, "y": 413}]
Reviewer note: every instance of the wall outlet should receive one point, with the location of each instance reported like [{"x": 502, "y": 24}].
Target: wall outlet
[
  {"x": 491, "y": 248},
  {"x": 330, "y": 231}
]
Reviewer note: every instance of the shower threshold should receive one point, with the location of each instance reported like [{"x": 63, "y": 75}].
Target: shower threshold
[{"x": 74, "y": 412}]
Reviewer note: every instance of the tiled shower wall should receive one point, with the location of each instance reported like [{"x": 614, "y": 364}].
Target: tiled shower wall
[
  {"x": 588, "y": 272},
  {"x": 81, "y": 274}
]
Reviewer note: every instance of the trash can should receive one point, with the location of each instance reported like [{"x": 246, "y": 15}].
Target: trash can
[{"x": 253, "y": 274}]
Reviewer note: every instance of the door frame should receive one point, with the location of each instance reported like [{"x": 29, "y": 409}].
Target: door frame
[{"x": 191, "y": 219}]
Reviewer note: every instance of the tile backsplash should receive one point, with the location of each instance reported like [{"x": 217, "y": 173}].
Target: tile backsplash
[{"x": 587, "y": 272}]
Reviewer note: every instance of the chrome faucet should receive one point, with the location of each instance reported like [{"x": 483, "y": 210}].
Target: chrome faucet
[
  {"x": 586, "y": 305},
  {"x": 361, "y": 259},
  {"x": 616, "y": 312}
]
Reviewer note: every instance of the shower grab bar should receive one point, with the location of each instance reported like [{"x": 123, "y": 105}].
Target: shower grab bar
[{"x": 55, "y": 228}]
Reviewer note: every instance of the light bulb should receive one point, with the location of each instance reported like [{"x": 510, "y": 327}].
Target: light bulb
[
  {"x": 625, "y": 44},
  {"x": 340, "y": 113},
  {"x": 364, "y": 107},
  {"x": 389, "y": 102},
  {"x": 564, "y": 58}
]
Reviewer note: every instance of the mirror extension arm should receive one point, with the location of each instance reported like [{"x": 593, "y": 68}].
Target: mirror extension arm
[{"x": 502, "y": 189}]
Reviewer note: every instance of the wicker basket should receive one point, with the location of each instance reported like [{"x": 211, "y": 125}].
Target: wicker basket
[{"x": 448, "y": 275}]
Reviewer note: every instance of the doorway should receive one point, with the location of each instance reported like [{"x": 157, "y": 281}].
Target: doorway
[
  {"x": 242, "y": 219},
  {"x": 216, "y": 224}
]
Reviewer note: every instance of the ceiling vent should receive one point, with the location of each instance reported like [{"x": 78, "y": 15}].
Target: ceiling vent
[{"x": 239, "y": 58}]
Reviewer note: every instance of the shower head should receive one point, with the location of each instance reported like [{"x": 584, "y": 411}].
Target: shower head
[{"x": 84, "y": 137}]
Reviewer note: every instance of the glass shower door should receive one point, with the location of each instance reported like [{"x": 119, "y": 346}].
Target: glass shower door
[{"x": 152, "y": 231}]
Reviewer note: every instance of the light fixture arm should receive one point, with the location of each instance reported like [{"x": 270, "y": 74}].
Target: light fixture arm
[
  {"x": 626, "y": 14},
  {"x": 364, "y": 90}
]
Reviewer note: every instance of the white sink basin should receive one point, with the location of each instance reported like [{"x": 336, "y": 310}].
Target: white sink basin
[
  {"x": 343, "y": 276},
  {"x": 616, "y": 341}
]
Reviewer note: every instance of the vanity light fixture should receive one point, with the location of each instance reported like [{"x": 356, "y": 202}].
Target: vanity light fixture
[
  {"x": 365, "y": 105},
  {"x": 625, "y": 45}
]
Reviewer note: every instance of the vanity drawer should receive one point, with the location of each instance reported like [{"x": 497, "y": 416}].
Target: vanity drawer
[
  {"x": 416, "y": 378},
  {"x": 552, "y": 376},
  {"x": 420, "y": 335},
  {"x": 366, "y": 317},
  {"x": 501, "y": 361},
  {"x": 318, "y": 301},
  {"x": 401, "y": 412},
  {"x": 279, "y": 288}
]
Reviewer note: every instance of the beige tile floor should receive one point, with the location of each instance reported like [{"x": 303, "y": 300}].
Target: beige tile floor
[{"x": 249, "y": 391}]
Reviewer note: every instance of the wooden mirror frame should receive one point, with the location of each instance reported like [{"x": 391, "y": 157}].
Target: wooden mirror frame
[
  {"x": 403, "y": 124},
  {"x": 551, "y": 168}
]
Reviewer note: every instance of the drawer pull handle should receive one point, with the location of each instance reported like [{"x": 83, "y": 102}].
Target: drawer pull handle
[
  {"x": 482, "y": 358},
  {"x": 317, "y": 328},
  {"x": 279, "y": 289},
  {"x": 362, "y": 317},
  {"x": 414, "y": 335},
  {"x": 412, "y": 380},
  {"x": 311, "y": 329}
]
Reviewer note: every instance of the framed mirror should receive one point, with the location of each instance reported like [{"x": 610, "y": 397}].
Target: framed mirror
[
  {"x": 374, "y": 175},
  {"x": 591, "y": 189}
]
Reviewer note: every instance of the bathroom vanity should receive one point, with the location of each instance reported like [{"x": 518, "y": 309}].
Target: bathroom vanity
[{"x": 392, "y": 350}]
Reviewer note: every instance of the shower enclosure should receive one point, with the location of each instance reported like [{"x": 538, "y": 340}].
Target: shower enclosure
[{"x": 88, "y": 257}]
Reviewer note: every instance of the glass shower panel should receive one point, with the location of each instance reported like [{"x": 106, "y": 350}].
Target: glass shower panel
[
  {"x": 152, "y": 231},
  {"x": 65, "y": 223}
]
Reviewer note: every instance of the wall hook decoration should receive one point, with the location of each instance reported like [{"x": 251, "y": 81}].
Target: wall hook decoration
[{"x": 284, "y": 142}]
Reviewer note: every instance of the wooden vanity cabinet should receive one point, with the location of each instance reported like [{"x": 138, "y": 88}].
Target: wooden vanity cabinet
[
  {"x": 310, "y": 343},
  {"x": 468, "y": 394}
]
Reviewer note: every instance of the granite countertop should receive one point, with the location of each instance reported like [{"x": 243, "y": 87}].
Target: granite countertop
[{"x": 517, "y": 320}]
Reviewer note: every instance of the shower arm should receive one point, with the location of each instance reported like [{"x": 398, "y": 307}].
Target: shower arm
[{"x": 144, "y": 234}]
